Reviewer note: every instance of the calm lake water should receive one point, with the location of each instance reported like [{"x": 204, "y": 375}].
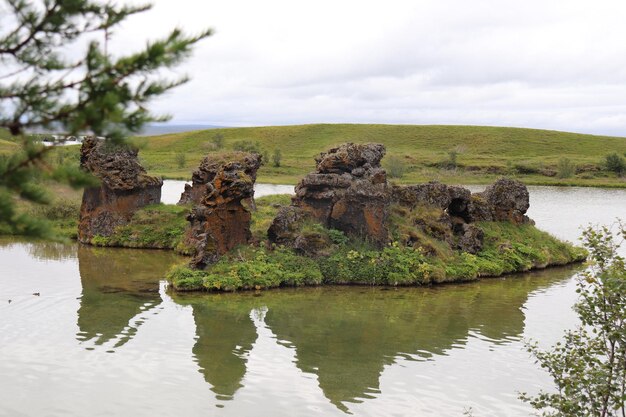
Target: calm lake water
[{"x": 104, "y": 336}]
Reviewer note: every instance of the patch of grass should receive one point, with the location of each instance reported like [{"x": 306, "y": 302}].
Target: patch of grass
[
  {"x": 421, "y": 226},
  {"x": 7, "y": 147},
  {"x": 393, "y": 265},
  {"x": 256, "y": 269},
  {"x": 5, "y": 134},
  {"x": 159, "y": 226},
  {"x": 63, "y": 215},
  {"x": 395, "y": 166},
  {"x": 266, "y": 209},
  {"x": 508, "y": 248},
  {"x": 60, "y": 214},
  {"x": 565, "y": 168},
  {"x": 515, "y": 248}
]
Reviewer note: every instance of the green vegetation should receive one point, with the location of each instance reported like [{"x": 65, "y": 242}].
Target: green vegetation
[
  {"x": 90, "y": 91},
  {"x": 247, "y": 146},
  {"x": 218, "y": 141},
  {"x": 565, "y": 168},
  {"x": 395, "y": 166},
  {"x": 158, "y": 226},
  {"x": 60, "y": 214},
  {"x": 480, "y": 154},
  {"x": 615, "y": 163},
  {"x": 588, "y": 365},
  {"x": 507, "y": 248},
  {"x": 7, "y": 147},
  {"x": 5, "y": 135},
  {"x": 181, "y": 160},
  {"x": 250, "y": 269},
  {"x": 277, "y": 157},
  {"x": 266, "y": 209}
]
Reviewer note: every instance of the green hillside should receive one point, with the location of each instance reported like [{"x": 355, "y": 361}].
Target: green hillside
[
  {"x": 5, "y": 142},
  {"x": 4, "y": 134},
  {"x": 482, "y": 153},
  {"x": 6, "y": 146}
]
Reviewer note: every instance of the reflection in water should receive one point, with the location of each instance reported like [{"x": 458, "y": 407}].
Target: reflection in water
[
  {"x": 53, "y": 251},
  {"x": 42, "y": 250},
  {"x": 117, "y": 287},
  {"x": 346, "y": 336},
  {"x": 225, "y": 334}
]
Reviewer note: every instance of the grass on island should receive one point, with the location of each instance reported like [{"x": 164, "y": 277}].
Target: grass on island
[{"x": 507, "y": 248}]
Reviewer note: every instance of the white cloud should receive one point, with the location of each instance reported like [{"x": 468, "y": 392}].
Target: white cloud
[{"x": 536, "y": 63}]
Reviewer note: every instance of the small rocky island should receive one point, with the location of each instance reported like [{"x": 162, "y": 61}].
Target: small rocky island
[
  {"x": 346, "y": 224},
  {"x": 124, "y": 188}
]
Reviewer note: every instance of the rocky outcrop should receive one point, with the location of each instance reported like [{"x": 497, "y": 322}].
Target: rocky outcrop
[
  {"x": 505, "y": 200},
  {"x": 285, "y": 227},
  {"x": 208, "y": 169},
  {"x": 220, "y": 221},
  {"x": 470, "y": 238},
  {"x": 348, "y": 191},
  {"x": 452, "y": 199},
  {"x": 125, "y": 187}
]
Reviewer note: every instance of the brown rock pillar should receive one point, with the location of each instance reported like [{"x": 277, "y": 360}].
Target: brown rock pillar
[
  {"x": 125, "y": 187},
  {"x": 220, "y": 221}
]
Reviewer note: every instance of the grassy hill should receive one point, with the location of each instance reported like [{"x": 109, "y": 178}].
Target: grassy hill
[
  {"x": 6, "y": 145},
  {"x": 4, "y": 134},
  {"x": 482, "y": 153}
]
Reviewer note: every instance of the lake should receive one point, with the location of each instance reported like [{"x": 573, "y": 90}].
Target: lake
[{"x": 95, "y": 332}]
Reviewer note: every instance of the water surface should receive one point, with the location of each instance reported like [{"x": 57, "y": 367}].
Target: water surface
[{"x": 88, "y": 332}]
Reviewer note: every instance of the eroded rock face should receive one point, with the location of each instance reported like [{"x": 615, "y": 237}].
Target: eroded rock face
[
  {"x": 220, "y": 221},
  {"x": 454, "y": 200},
  {"x": 285, "y": 226},
  {"x": 470, "y": 239},
  {"x": 208, "y": 169},
  {"x": 348, "y": 191},
  {"x": 125, "y": 187},
  {"x": 505, "y": 200}
]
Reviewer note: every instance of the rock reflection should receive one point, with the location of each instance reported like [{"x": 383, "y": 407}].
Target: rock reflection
[
  {"x": 346, "y": 336},
  {"x": 225, "y": 336},
  {"x": 119, "y": 286}
]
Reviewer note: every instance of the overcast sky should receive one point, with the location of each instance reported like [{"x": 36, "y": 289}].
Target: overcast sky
[{"x": 532, "y": 63}]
